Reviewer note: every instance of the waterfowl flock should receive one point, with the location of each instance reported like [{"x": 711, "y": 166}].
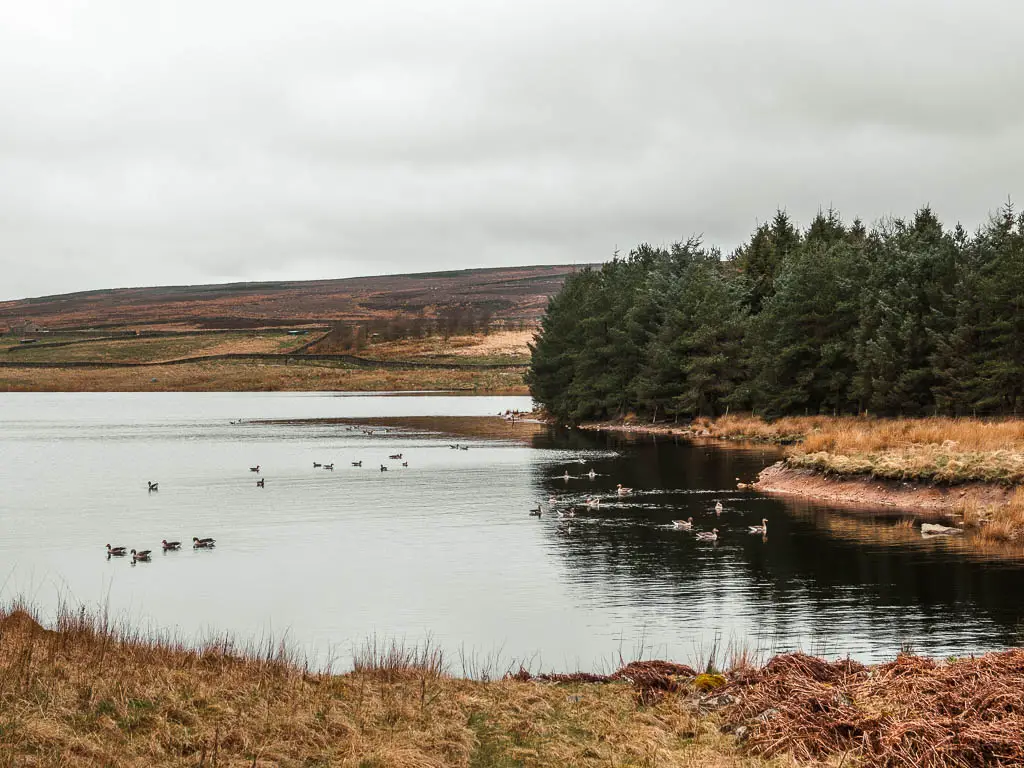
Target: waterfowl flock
[
  {"x": 145, "y": 555},
  {"x": 591, "y": 502}
]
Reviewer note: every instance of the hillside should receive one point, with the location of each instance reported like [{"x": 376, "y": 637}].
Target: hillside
[{"x": 511, "y": 294}]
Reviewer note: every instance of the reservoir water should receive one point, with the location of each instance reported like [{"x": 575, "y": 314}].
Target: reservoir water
[{"x": 445, "y": 548}]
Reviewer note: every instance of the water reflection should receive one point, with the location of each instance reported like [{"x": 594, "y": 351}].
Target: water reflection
[{"x": 832, "y": 579}]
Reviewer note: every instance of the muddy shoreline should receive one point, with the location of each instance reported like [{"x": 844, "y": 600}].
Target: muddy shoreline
[{"x": 868, "y": 491}]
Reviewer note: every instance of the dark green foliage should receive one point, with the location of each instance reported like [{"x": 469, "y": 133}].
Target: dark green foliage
[{"x": 906, "y": 318}]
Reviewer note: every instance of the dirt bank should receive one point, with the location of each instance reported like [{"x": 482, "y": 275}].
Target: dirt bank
[{"x": 782, "y": 479}]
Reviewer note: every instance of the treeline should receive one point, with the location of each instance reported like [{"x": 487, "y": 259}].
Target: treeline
[{"x": 905, "y": 318}]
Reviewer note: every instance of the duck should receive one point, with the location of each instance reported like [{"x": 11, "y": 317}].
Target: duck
[
  {"x": 316, "y": 466},
  {"x": 623, "y": 491},
  {"x": 591, "y": 474},
  {"x": 566, "y": 475},
  {"x": 255, "y": 469},
  {"x": 684, "y": 525},
  {"x": 170, "y": 545},
  {"x": 329, "y": 466},
  {"x": 357, "y": 463},
  {"x": 762, "y": 528},
  {"x": 383, "y": 468},
  {"x": 395, "y": 456},
  {"x": 116, "y": 551},
  {"x": 153, "y": 486},
  {"x": 567, "y": 513},
  {"x": 260, "y": 482},
  {"x": 143, "y": 555},
  {"x": 552, "y": 500},
  {"x": 718, "y": 507},
  {"x": 711, "y": 535},
  {"x": 198, "y": 543},
  {"x": 535, "y": 512},
  {"x": 463, "y": 447},
  {"x": 405, "y": 463},
  {"x": 592, "y": 503}
]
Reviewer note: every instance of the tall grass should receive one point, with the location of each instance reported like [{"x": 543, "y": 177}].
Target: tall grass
[{"x": 93, "y": 690}]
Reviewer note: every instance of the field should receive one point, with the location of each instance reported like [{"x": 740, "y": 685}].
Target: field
[
  {"x": 259, "y": 376},
  {"x": 499, "y": 347},
  {"x": 156, "y": 349}
]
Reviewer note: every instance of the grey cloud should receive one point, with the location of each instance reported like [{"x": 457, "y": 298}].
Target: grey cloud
[{"x": 198, "y": 142}]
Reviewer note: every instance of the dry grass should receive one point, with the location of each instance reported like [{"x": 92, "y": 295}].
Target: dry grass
[
  {"x": 89, "y": 693},
  {"x": 938, "y": 450},
  {"x": 498, "y": 347},
  {"x": 247, "y": 376}
]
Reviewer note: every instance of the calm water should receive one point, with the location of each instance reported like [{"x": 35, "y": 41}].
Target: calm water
[{"x": 446, "y": 548}]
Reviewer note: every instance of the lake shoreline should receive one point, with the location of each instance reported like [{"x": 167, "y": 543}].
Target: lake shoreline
[
  {"x": 969, "y": 470},
  {"x": 88, "y": 691},
  {"x": 859, "y": 490}
]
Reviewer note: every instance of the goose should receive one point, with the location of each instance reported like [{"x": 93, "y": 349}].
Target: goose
[
  {"x": 567, "y": 513},
  {"x": 357, "y": 463},
  {"x": 383, "y": 468},
  {"x": 116, "y": 551},
  {"x": 762, "y": 528},
  {"x": 708, "y": 536},
  {"x": 255, "y": 469},
  {"x": 684, "y": 525},
  {"x": 592, "y": 503},
  {"x": 395, "y": 456},
  {"x": 591, "y": 474},
  {"x": 260, "y": 482},
  {"x": 718, "y": 507},
  {"x": 152, "y": 485},
  {"x": 623, "y": 491},
  {"x": 315, "y": 465},
  {"x": 329, "y": 466},
  {"x": 170, "y": 545},
  {"x": 143, "y": 555},
  {"x": 198, "y": 543}
]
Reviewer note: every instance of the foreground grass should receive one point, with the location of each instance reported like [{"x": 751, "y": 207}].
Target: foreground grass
[
  {"x": 248, "y": 376},
  {"x": 87, "y": 693}
]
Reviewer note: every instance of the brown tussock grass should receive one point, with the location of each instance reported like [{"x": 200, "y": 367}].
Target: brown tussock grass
[{"x": 90, "y": 692}]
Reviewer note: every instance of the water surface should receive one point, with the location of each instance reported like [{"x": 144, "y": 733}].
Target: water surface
[{"x": 445, "y": 547}]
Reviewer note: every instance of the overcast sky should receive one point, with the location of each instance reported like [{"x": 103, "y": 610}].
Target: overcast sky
[{"x": 178, "y": 142}]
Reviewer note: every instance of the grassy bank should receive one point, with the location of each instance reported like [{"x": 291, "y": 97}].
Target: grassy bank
[{"x": 90, "y": 693}]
